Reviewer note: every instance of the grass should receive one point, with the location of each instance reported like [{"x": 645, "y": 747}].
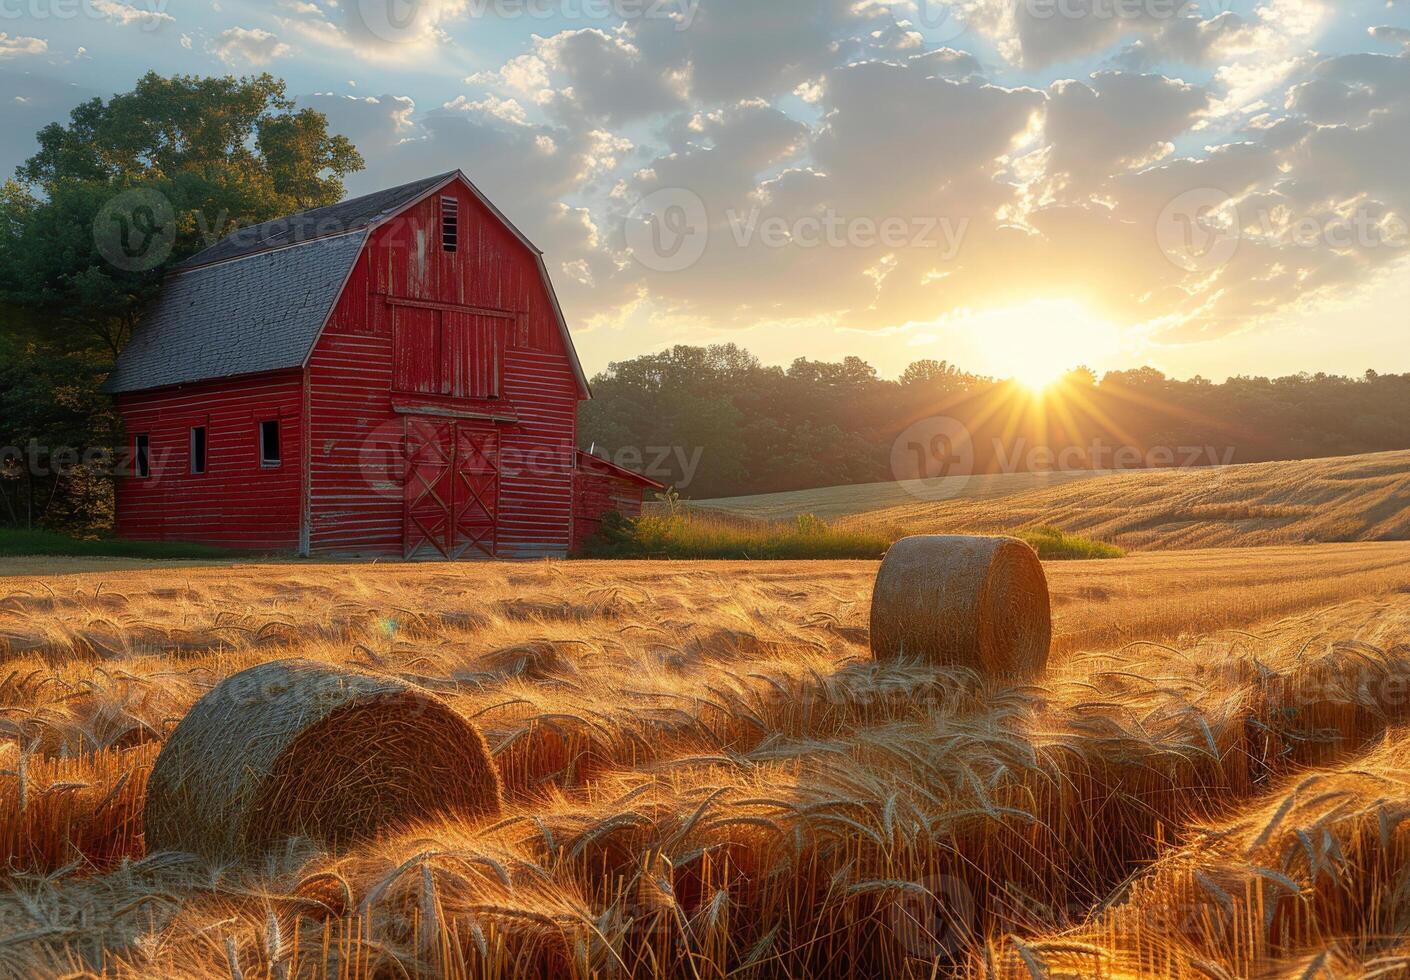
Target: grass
[
  {"x": 697, "y": 536},
  {"x": 35, "y": 543},
  {"x": 707, "y": 775},
  {"x": 701, "y": 535},
  {"x": 1354, "y": 498},
  {"x": 1055, "y": 545}
]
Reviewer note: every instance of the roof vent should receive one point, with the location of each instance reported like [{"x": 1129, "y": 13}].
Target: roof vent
[{"x": 450, "y": 224}]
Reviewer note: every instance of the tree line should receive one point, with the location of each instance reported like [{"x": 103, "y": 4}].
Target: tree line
[{"x": 736, "y": 426}]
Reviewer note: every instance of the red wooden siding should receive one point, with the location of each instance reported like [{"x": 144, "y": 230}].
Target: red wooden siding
[
  {"x": 597, "y": 494},
  {"x": 416, "y": 357},
  {"x": 471, "y": 355},
  {"x": 468, "y": 336},
  {"x": 236, "y": 503}
]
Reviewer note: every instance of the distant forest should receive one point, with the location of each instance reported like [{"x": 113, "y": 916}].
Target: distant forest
[{"x": 716, "y": 422}]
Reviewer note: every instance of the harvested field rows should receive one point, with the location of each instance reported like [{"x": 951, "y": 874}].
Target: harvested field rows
[{"x": 1352, "y": 498}]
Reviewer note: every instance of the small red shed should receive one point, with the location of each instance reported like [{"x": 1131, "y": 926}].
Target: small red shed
[{"x": 391, "y": 376}]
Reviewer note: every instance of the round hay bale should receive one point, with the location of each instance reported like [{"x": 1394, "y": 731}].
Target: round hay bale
[
  {"x": 955, "y": 601},
  {"x": 295, "y": 748}
]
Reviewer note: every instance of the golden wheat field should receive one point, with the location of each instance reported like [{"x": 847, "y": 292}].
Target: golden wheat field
[
  {"x": 1355, "y": 498},
  {"x": 707, "y": 775}
]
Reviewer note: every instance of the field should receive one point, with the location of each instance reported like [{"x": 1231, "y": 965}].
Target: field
[
  {"x": 1356, "y": 498},
  {"x": 708, "y": 776}
]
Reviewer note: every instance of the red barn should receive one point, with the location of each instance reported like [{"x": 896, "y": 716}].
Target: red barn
[{"x": 391, "y": 375}]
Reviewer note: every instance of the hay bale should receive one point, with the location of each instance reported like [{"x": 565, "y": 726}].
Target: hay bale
[
  {"x": 295, "y": 748},
  {"x": 980, "y": 603}
]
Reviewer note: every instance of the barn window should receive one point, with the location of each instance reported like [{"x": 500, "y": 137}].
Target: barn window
[
  {"x": 450, "y": 223},
  {"x": 198, "y": 449},
  {"x": 269, "y": 450},
  {"x": 142, "y": 456}
]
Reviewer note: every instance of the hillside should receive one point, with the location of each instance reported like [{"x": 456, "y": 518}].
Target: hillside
[{"x": 1354, "y": 498}]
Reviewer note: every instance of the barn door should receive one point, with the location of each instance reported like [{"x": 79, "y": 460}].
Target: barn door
[
  {"x": 476, "y": 491},
  {"x": 451, "y": 489},
  {"x": 429, "y": 488}
]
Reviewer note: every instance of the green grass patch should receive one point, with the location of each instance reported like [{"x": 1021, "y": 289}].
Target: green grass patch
[
  {"x": 696, "y": 535},
  {"x": 1055, "y": 545},
  {"x": 15, "y": 543}
]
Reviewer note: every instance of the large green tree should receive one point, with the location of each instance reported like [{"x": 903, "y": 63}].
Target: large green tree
[{"x": 131, "y": 184}]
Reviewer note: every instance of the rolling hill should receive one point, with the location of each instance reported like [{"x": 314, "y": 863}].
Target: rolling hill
[{"x": 1353, "y": 498}]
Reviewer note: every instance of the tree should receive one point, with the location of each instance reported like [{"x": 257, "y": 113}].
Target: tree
[{"x": 151, "y": 176}]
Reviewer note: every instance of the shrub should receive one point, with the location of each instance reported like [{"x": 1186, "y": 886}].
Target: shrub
[{"x": 1055, "y": 545}]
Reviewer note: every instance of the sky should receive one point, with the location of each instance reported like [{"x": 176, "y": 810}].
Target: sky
[{"x": 1210, "y": 187}]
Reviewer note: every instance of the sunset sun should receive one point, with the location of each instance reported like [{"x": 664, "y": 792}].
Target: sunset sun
[{"x": 1037, "y": 343}]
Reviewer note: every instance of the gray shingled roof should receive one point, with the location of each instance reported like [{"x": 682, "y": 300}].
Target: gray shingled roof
[
  {"x": 335, "y": 219},
  {"x": 259, "y": 313}
]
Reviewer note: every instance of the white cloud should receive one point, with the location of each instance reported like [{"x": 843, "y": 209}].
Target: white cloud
[
  {"x": 147, "y": 17},
  {"x": 13, "y": 47},
  {"x": 385, "y": 32},
  {"x": 248, "y": 46}
]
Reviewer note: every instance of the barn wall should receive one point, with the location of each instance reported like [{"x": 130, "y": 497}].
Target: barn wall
[
  {"x": 236, "y": 503},
  {"x": 598, "y": 494},
  {"x": 355, "y": 435}
]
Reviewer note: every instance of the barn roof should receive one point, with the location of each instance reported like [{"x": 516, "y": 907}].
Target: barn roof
[
  {"x": 259, "y": 313},
  {"x": 353, "y": 214},
  {"x": 588, "y": 461},
  {"x": 257, "y": 300}
]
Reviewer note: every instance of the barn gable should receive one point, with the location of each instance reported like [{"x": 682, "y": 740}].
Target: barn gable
[{"x": 258, "y": 300}]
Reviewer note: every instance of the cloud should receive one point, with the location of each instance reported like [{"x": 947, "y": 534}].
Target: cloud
[
  {"x": 386, "y": 31},
  {"x": 253, "y": 46},
  {"x": 1119, "y": 121},
  {"x": 148, "y": 18},
  {"x": 605, "y": 77},
  {"x": 1391, "y": 35},
  {"x": 13, "y": 47}
]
